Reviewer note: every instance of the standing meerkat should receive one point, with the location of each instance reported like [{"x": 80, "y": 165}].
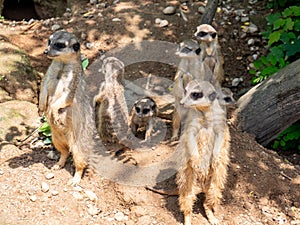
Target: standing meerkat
[
  {"x": 143, "y": 115},
  {"x": 111, "y": 107},
  {"x": 205, "y": 143},
  {"x": 210, "y": 50},
  {"x": 56, "y": 99}
]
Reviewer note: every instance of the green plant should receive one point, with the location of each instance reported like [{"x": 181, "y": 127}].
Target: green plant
[
  {"x": 85, "y": 63},
  {"x": 283, "y": 35},
  {"x": 289, "y": 139},
  {"x": 45, "y": 131}
]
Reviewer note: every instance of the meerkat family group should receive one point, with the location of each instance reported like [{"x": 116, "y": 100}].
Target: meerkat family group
[{"x": 200, "y": 112}]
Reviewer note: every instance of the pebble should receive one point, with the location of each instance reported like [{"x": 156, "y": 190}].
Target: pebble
[
  {"x": 51, "y": 155},
  {"x": 119, "y": 216},
  {"x": 158, "y": 20},
  {"x": 45, "y": 187},
  {"x": 239, "y": 12},
  {"x": 54, "y": 193},
  {"x": 163, "y": 23},
  {"x": 250, "y": 41},
  {"x": 93, "y": 210},
  {"x": 236, "y": 81},
  {"x": 1, "y": 172},
  {"x": 55, "y": 27},
  {"x": 33, "y": 198},
  {"x": 49, "y": 176},
  {"x": 169, "y": 10},
  {"x": 201, "y": 9},
  {"x": 89, "y": 45},
  {"x": 244, "y": 19},
  {"x": 91, "y": 195},
  {"x": 77, "y": 195},
  {"x": 252, "y": 2},
  {"x": 116, "y": 20},
  {"x": 255, "y": 56}
]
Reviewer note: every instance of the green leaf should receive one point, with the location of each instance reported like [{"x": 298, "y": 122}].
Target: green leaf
[
  {"x": 258, "y": 64},
  {"x": 292, "y": 48},
  {"x": 276, "y": 144},
  {"x": 47, "y": 141},
  {"x": 289, "y": 24},
  {"x": 264, "y": 60},
  {"x": 269, "y": 70},
  {"x": 278, "y": 23},
  {"x": 297, "y": 25},
  {"x": 274, "y": 37},
  {"x": 282, "y": 143},
  {"x": 287, "y": 36},
  {"x": 272, "y": 59},
  {"x": 277, "y": 52},
  {"x": 273, "y": 17},
  {"x": 85, "y": 63},
  {"x": 252, "y": 72}
]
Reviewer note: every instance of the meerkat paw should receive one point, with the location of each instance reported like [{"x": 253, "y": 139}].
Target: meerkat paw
[
  {"x": 75, "y": 180},
  {"x": 57, "y": 167}
]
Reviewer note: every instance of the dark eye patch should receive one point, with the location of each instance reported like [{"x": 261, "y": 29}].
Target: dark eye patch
[
  {"x": 59, "y": 46},
  {"x": 137, "y": 109},
  {"x": 213, "y": 35},
  {"x": 228, "y": 99},
  {"x": 202, "y": 34},
  {"x": 196, "y": 95},
  {"x": 76, "y": 47},
  {"x": 146, "y": 111},
  {"x": 197, "y": 51}
]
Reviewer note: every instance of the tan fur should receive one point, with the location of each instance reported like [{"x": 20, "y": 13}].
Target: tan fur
[
  {"x": 210, "y": 50},
  {"x": 57, "y": 97},
  {"x": 111, "y": 107},
  {"x": 205, "y": 145}
]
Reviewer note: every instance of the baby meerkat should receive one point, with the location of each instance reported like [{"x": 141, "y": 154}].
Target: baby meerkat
[
  {"x": 111, "y": 107},
  {"x": 56, "y": 99},
  {"x": 143, "y": 115},
  {"x": 210, "y": 50},
  {"x": 205, "y": 145}
]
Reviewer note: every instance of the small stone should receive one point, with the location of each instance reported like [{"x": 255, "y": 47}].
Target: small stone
[
  {"x": 201, "y": 9},
  {"x": 33, "y": 198},
  {"x": 51, "y": 155},
  {"x": 77, "y": 188},
  {"x": 255, "y": 56},
  {"x": 119, "y": 216},
  {"x": 163, "y": 23},
  {"x": 248, "y": 205},
  {"x": 93, "y": 210},
  {"x": 239, "y": 12},
  {"x": 252, "y": 2},
  {"x": 77, "y": 195},
  {"x": 49, "y": 176},
  {"x": 55, "y": 27},
  {"x": 244, "y": 19},
  {"x": 239, "y": 58},
  {"x": 54, "y": 193},
  {"x": 116, "y": 20},
  {"x": 91, "y": 195},
  {"x": 1, "y": 172},
  {"x": 45, "y": 187},
  {"x": 252, "y": 28},
  {"x": 169, "y": 10},
  {"x": 250, "y": 41},
  {"x": 157, "y": 20},
  {"x": 236, "y": 81}
]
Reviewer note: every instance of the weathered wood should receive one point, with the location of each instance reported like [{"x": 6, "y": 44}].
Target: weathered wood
[
  {"x": 271, "y": 106},
  {"x": 210, "y": 11}
]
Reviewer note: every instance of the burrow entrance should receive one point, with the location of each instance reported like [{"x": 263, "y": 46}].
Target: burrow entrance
[{"x": 19, "y": 10}]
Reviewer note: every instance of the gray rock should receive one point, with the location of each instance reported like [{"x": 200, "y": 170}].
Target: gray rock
[
  {"x": 55, "y": 27},
  {"x": 250, "y": 41},
  {"x": 169, "y": 10},
  {"x": 163, "y": 23},
  {"x": 201, "y": 9},
  {"x": 49, "y": 176},
  {"x": 119, "y": 216},
  {"x": 45, "y": 187}
]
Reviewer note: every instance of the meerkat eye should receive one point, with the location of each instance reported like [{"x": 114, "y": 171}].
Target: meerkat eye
[
  {"x": 202, "y": 34},
  {"x": 197, "y": 51},
  {"x": 196, "y": 95},
  {"x": 137, "y": 109},
  {"x": 59, "y": 46},
  {"x": 228, "y": 100},
  {"x": 76, "y": 47},
  {"x": 49, "y": 42},
  {"x": 153, "y": 107},
  {"x": 212, "y": 96},
  {"x": 146, "y": 111},
  {"x": 213, "y": 35}
]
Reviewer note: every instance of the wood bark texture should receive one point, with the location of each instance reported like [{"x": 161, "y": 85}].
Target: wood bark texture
[
  {"x": 210, "y": 10},
  {"x": 271, "y": 106}
]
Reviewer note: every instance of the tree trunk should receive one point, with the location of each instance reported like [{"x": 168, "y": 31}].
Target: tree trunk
[
  {"x": 210, "y": 10},
  {"x": 271, "y": 106}
]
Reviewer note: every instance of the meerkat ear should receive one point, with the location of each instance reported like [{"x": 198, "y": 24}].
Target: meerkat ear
[
  {"x": 212, "y": 96},
  {"x": 76, "y": 47}
]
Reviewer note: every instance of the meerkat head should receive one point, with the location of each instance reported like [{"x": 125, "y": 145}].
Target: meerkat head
[
  {"x": 63, "y": 45},
  {"x": 188, "y": 48},
  {"x": 206, "y": 33},
  {"x": 226, "y": 97},
  {"x": 199, "y": 95},
  {"x": 113, "y": 69},
  {"x": 145, "y": 107}
]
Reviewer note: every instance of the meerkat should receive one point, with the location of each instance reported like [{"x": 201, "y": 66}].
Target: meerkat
[
  {"x": 111, "y": 107},
  {"x": 210, "y": 50},
  {"x": 205, "y": 151},
  {"x": 56, "y": 99},
  {"x": 143, "y": 115}
]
